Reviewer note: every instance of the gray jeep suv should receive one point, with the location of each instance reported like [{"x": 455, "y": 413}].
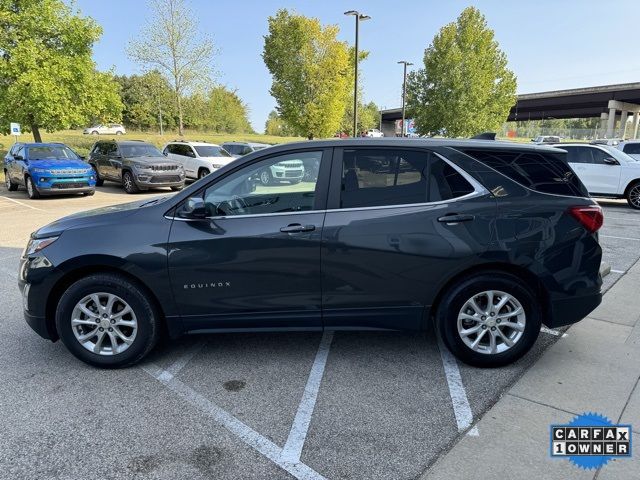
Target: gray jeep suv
[{"x": 136, "y": 164}]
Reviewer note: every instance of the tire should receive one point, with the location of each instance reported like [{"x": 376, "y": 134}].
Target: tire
[
  {"x": 265, "y": 177},
  {"x": 129, "y": 183},
  {"x": 141, "y": 326},
  {"x": 177, "y": 189},
  {"x": 118, "y": 132},
  {"x": 12, "y": 187},
  {"x": 99, "y": 181},
  {"x": 456, "y": 300},
  {"x": 633, "y": 195},
  {"x": 95, "y": 132},
  {"x": 90, "y": 193},
  {"x": 32, "y": 191},
  {"x": 203, "y": 172}
]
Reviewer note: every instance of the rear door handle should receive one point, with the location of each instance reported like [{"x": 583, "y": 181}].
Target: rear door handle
[
  {"x": 455, "y": 218},
  {"x": 296, "y": 228}
]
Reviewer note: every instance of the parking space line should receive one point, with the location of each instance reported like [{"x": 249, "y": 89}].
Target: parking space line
[
  {"x": 550, "y": 331},
  {"x": 245, "y": 433},
  {"x": 459, "y": 400},
  {"x": 621, "y": 238},
  {"x": 173, "y": 369},
  {"x": 618, "y": 271},
  {"x": 22, "y": 204},
  {"x": 295, "y": 441}
]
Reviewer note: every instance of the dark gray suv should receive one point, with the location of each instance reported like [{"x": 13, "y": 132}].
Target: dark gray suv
[
  {"x": 486, "y": 240},
  {"x": 136, "y": 165}
]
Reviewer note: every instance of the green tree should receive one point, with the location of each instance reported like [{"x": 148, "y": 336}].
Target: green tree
[
  {"x": 311, "y": 73},
  {"x": 171, "y": 43},
  {"x": 275, "y": 125},
  {"x": 368, "y": 116},
  {"x": 146, "y": 99},
  {"x": 218, "y": 109},
  {"x": 48, "y": 79},
  {"x": 465, "y": 86}
]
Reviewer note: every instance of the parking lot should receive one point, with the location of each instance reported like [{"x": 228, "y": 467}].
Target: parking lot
[{"x": 332, "y": 405}]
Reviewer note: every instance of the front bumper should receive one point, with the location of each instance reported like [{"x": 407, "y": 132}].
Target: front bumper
[
  {"x": 60, "y": 185},
  {"x": 153, "y": 180},
  {"x": 36, "y": 278}
]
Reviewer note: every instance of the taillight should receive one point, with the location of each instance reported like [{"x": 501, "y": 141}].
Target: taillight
[{"x": 590, "y": 217}]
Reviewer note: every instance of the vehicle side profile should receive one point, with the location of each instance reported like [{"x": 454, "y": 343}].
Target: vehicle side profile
[
  {"x": 108, "y": 129},
  {"x": 238, "y": 149},
  {"x": 606, "y": 171},
  {"x": 136, "y": 165},
  {"x": 199, "y": 159},
  {"x": 47, "y": 169},
  {"x": 631, "y": 148},
  {"x": 484, "y": 240},
  {"x": 374, "y": 133}
]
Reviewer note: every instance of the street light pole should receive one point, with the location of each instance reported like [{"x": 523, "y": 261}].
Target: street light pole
[
  {"x": 358, "y": 16},
  {"x": 404, "y": 92}
]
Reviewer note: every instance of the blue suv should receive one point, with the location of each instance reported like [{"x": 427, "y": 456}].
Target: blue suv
[{"x": 47, "y": 169}]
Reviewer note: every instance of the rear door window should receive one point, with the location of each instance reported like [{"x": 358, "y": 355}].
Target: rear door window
[
  {"x": 543, "y": 172},
  {"x": 379, "y": 177},
  {"x": 632, "y": 148},
  {"x": 578, "y": 154}
]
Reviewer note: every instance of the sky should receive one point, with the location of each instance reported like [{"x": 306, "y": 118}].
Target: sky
[{"x": 550, "y": 44}]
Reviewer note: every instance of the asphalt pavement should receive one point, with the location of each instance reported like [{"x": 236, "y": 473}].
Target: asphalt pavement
[{"x": 228, "y": 406}]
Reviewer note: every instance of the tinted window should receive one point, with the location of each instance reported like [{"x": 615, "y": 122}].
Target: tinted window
[
  {"x": 599, "y": 156},
  {"x": 109, "y": 148},
  {"x": 632, "y": 148},
  {"x": 230, "y": 148},
  {"x": 275, "y": 185},
  {"x": 542, "y": 172},
  {"x": 139, "y": 150},
  {"x": 395, "y": 177},
  {"x": 578, "y": 154},
  {"x": 211, "y": 151}
]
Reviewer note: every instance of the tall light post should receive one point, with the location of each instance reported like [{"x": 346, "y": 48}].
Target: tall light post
[
  {"x": 404, "y": 91},
  {"x": 358, "y": 16}
]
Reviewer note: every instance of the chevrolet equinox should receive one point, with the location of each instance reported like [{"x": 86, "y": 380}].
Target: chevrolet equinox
[{"x": 486, "y": 240}]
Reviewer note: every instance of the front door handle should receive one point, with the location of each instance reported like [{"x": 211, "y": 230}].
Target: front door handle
[
  {"x": 455, "y": 218},
  {"x": 296, "y": 228}
]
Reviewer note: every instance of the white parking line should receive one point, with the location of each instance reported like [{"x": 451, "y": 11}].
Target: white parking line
[
  {"x": 245, "y": 433},
  {"x": 618, "y": 271},
  {"x": 461, "y": 407},
  {"x": 173, "y": 369},
  {"x": 621, "y": 238},
  {"x": 293, "y": 447},
  {"x": 550, "y": 331},
  {"x": 23, "y": 204}
]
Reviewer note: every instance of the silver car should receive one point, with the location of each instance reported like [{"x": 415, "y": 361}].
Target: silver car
[{"x": 108, "y": 129}]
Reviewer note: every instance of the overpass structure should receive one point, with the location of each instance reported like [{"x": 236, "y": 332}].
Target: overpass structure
[{"x": 613, "y": 104}]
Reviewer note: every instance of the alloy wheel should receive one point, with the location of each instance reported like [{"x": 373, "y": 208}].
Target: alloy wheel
[
  {"x": 29, "y": 187},
  {"x": 104, "y": 323},
  {"x": 127, "y": 182},
  {"x": 265, "y": 178},
  {"x": 7, "y": 180},
  {"x": 634, "y": 196},
  {"x": 491, "y": 322}
]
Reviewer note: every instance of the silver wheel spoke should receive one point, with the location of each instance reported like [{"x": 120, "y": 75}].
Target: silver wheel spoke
[
  {"x": 79, "y": 321},
  {"x": 476, "y": 342},
  {"x": 110, "y": 301},
  {"x": 504, "y": 338},
  {"x": 87, "y": 312},
  {"x": 98, "y": 344},
  {"x": 472, "y": 303},
  {"x": 514, "y": 325},
  {"x": 114, "y": 342},
  {"x": 492, "y": 342},
  {"x": 122, "y": 336},
  {"x": 503, "y": 301},
  {"x": 510, "y": 314},
  {"x": 88, "y": 335},
  {"x": 471, "y": 330}
]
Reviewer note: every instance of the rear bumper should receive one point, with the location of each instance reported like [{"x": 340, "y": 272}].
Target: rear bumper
[{"x": 571, "y": 310}]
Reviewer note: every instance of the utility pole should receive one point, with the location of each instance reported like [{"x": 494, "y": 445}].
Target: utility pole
[
  {"x": 404, "y": 92},
  {"x": 358, "y": 16}
]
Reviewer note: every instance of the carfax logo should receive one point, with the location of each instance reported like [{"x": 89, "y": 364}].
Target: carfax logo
[{"x": 590, "y": 440}]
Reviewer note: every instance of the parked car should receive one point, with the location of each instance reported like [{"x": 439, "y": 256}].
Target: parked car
[
  {"x": 607, "y": 141},
  {"x": 546, "y": 139},
  {"x": 373, "y": 133},
  {"x": 238, "y": 149},
  {"x": 47, "y": 169},
  {"x": 136, "y": 165},
  {"x": 291, "y": 170},
  {"x": 199, "y": 159},
  {"x": 606, "y": 171},
  {"x": 631, "y": 148},
  {"x": 488, "y": 240},
  {"x": 108, "y": 129}
]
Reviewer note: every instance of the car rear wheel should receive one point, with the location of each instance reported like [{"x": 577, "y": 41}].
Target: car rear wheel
[
  {"x": 129, "y": 183},
  {"x": 95, "y": 132},
  {"x": 489, "y": 320},
  {"x": 106, "y": 321},
  {"x": 177, "y": 188},
  {"x": 32, "y": 191},
  {"x": 633, "y": 196},
  {"x": 12, "y": 187},
  {"x": 119, "y": 132}
]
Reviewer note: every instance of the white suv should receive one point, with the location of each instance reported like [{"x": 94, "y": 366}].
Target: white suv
[
  {"x": 631, "y": 148},
  {"x": 199, "y": 159},
  {"x": 374, "y": 133},
  {"x": 605, "y": 171}
]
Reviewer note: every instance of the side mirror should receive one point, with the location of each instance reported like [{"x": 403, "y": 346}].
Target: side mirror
[
  {"x": 194, "y": 208},
  {"x": 18, "y": 157},
  {"x": 611, "y": 161}
]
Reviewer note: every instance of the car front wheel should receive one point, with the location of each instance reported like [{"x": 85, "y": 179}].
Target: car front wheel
[
  {"x": 489, "y": 320},
  {"x": 32, "y": 191},
  {"x": 106, "y": 321},
  {"x": 129, "y": 183}
]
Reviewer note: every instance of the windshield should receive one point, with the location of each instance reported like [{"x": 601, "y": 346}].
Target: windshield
[
  {"x": 141, "y": 150},
  {"x": 211, "y": 151},
  {"x": 258, "y": 147},
  {"x": 52, "y": 152}
]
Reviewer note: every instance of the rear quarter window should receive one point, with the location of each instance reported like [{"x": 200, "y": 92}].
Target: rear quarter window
[{"x": 540, "y": 171}]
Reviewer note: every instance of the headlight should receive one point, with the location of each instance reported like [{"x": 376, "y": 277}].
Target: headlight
[
  {"x": 141, "y": 166},
  {"x": 217, "y": 165},
  {"x": 37, "y": 244}
]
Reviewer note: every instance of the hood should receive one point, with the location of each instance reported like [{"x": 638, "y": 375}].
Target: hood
[
  {"x": 95, "y": 217},
  {"x": 161, "y": 160},
  {"x": 58, "y": 164},
  {"x": 219, "y": 160}
]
